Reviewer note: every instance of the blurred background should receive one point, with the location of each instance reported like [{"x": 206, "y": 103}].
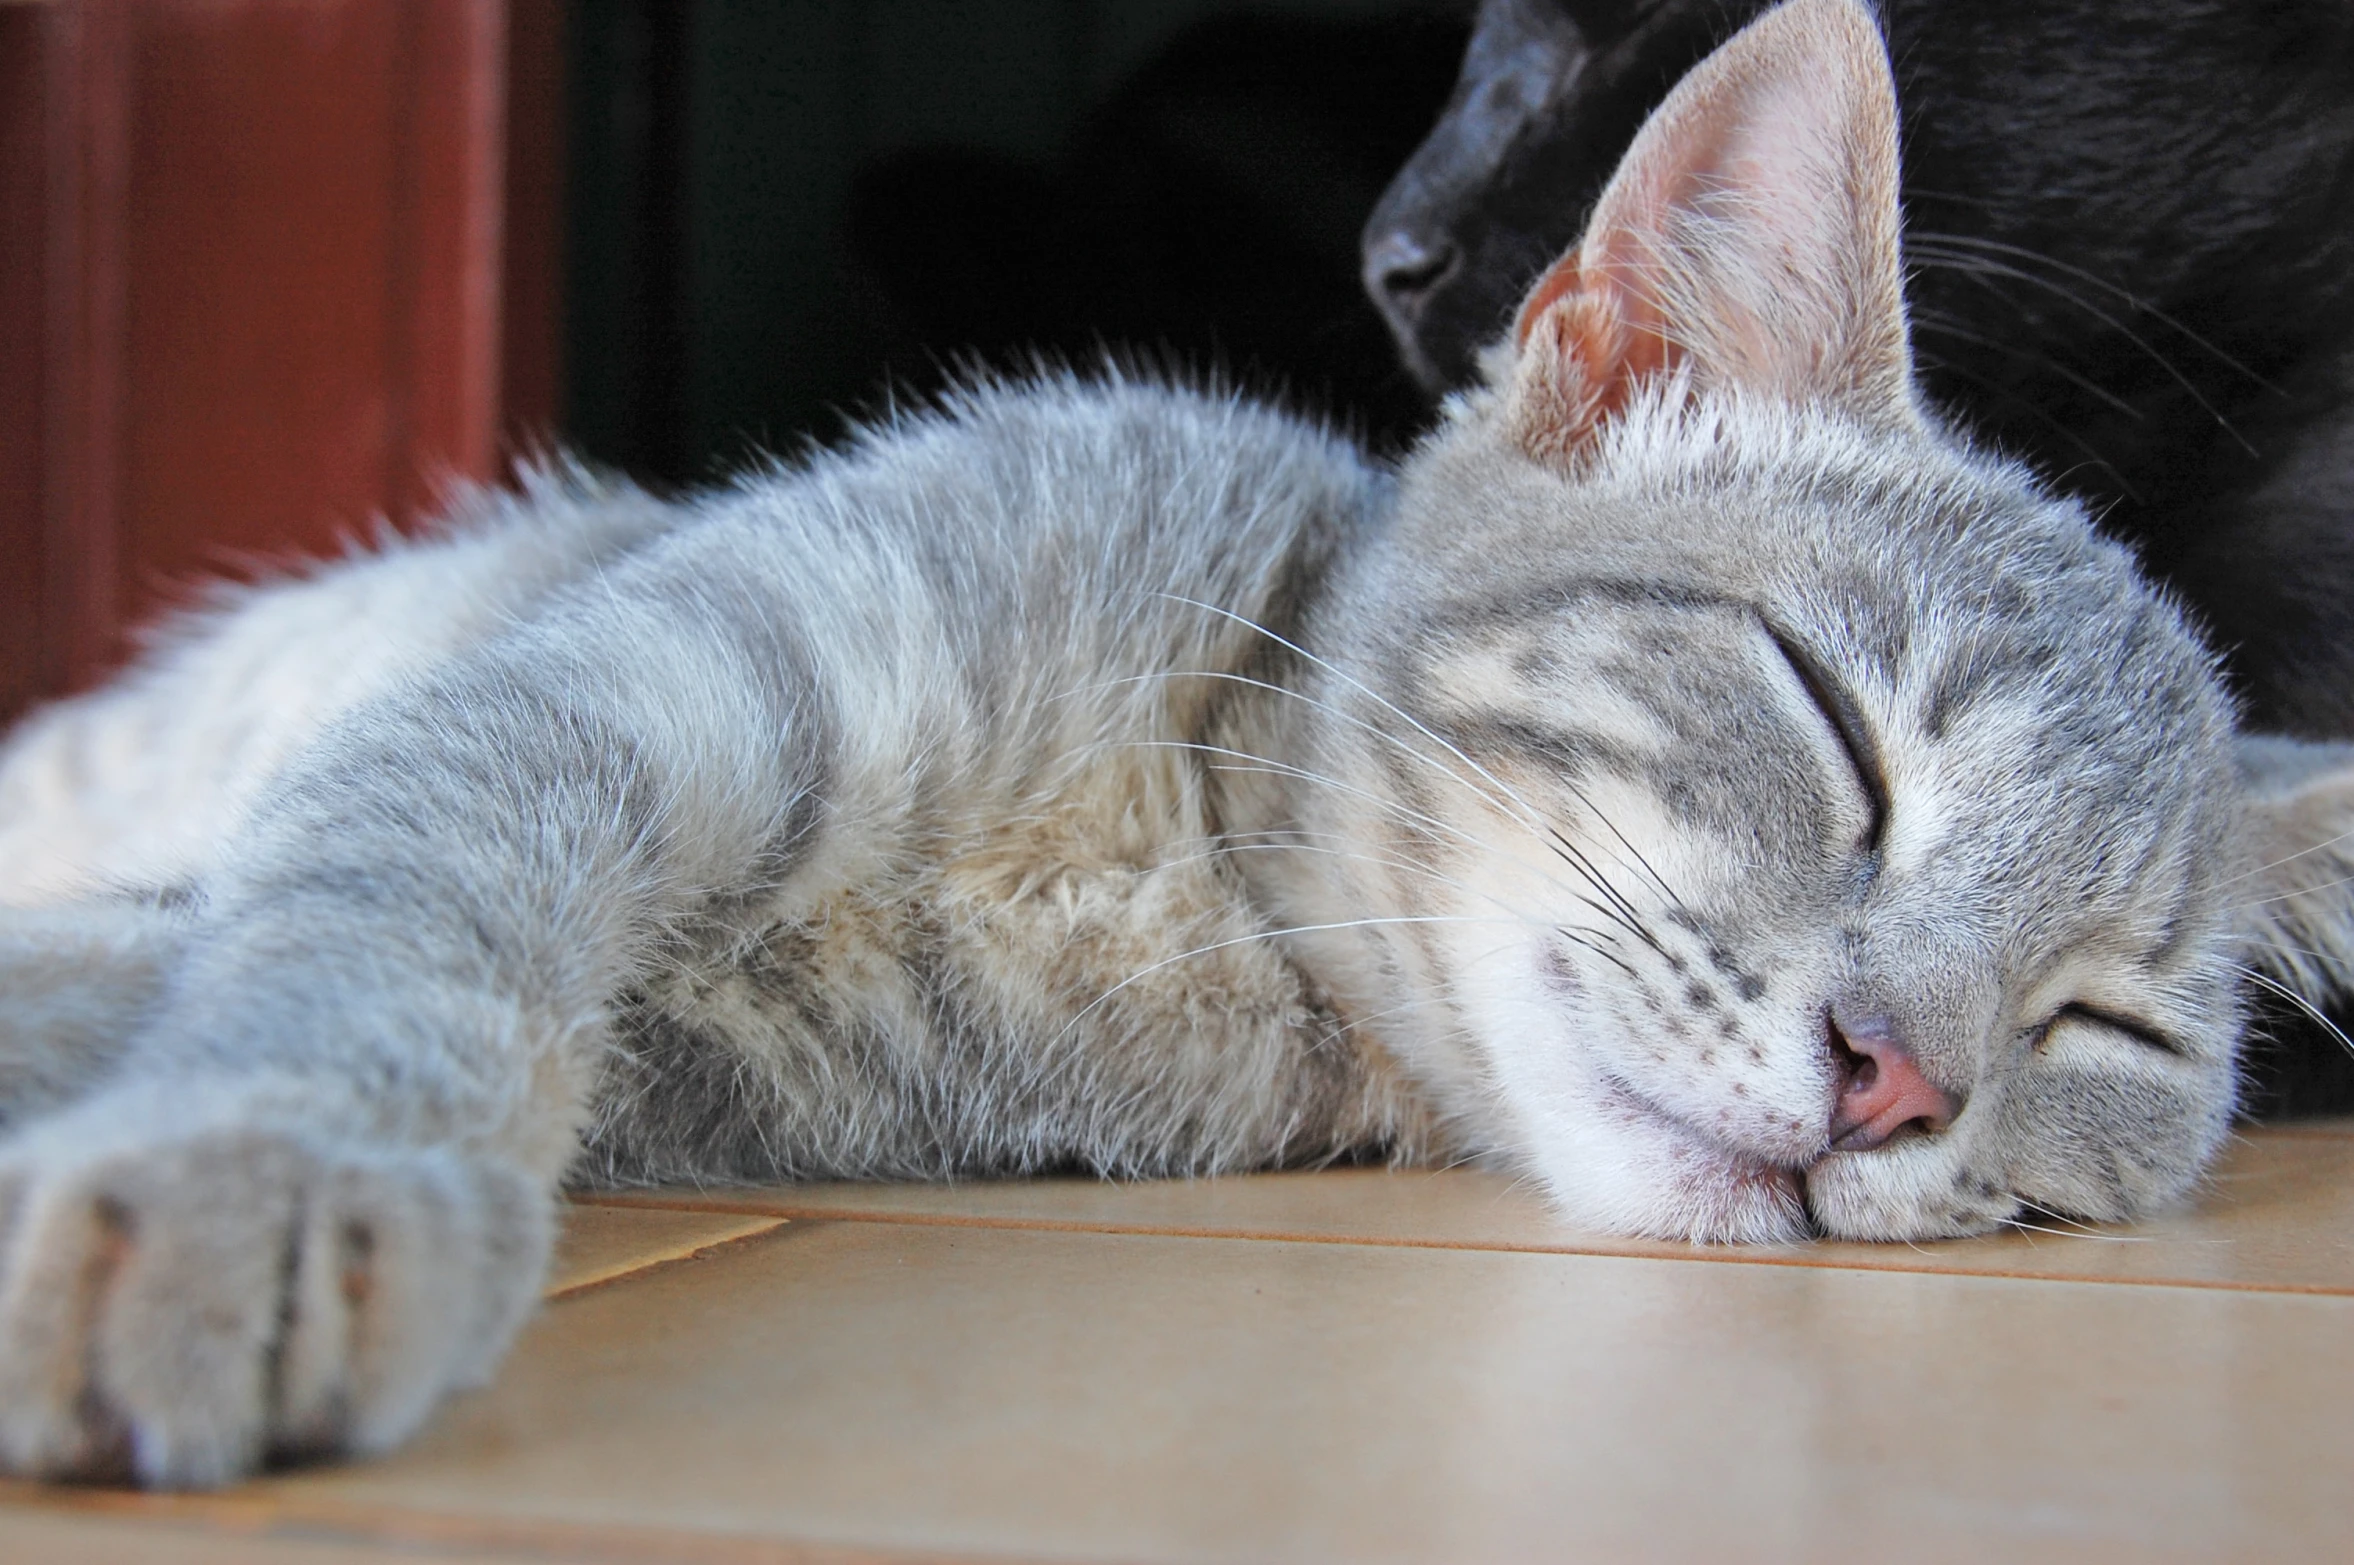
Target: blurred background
[{"x": 272, "y": 269}]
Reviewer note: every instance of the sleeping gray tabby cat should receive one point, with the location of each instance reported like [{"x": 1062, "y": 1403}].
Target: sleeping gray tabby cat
[{"x": 1695, "y": 779}]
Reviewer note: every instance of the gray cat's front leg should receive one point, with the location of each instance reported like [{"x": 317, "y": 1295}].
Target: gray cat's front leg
[
  {"x": 78, "y": 981},
  {"x": 319, "y": 1192}
]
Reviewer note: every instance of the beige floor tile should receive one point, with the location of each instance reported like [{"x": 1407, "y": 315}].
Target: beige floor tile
[
  {"x": 600, "y": 1243},
  {"x": 1143, "y": 1398},
  {"x": 2343, "y": 1126},
  {"x": 2278, "y": 1214},
  {"x": 44, "y": 1533},
  {"x": 39, "y": 1526}
]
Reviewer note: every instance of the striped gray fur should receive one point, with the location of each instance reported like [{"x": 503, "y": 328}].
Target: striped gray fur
[{"x": 1692, "y": 742}]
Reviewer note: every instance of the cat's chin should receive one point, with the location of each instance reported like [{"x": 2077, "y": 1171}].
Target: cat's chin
[{"x": 1633, "y": 1169}]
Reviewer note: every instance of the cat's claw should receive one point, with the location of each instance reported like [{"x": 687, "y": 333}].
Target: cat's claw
[{"x": 180, "y": 1311}]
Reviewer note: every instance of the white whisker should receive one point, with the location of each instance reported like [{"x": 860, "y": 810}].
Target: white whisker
[
  {"x": 1265, "y": 765},
  {"x": 2286, "y": 858},
  {"x": 1262, "y": 934},
  {"x": 2299, "y": 1001},
  {"x": 2077, "y": 1233},
  {"x": 1502, "y": 787},
  {"x": 2291, "y": 896}
]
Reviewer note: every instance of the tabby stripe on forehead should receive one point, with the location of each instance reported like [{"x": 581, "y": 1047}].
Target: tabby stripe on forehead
[{"x": 1502, "y": 608}]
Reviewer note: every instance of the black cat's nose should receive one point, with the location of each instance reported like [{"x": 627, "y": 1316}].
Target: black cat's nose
[
  {"x": 1882, "y": 1090},
  {"x": 1404, "y": 270}
]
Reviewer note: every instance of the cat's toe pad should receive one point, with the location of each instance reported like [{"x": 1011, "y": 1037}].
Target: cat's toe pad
[{"x": 179, "y": 1312}]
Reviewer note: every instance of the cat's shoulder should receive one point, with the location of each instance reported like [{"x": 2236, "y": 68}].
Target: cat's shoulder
[{"x": 1116, "y": 413}]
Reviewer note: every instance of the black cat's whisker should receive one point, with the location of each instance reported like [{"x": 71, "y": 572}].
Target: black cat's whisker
[
  {"x": 1631, "y": 927},
  {"x": 1945, "y": 325},
  {"x": 1504, "y": 788},
  {"x": 1625, "y": 911},
  {"x": 1983, "y": 269},
  {"x": 2022, "y": 253},
  {"x": 1617, "y": 910},
  {"x": 2057, "y": 425},
  {"x": 1913, "y": 193},
  {"x": 1621, "y": 911},
  {"x": 1983, "y": 272},
  {"x": 2265, "y": 981},
  {"x": 1629, "y": 922}
]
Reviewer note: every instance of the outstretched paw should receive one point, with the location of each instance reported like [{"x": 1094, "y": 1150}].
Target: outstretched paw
[{"x": 180, "y": 1308}]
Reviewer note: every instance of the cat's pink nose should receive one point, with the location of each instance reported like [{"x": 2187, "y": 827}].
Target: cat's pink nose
[{"x": 1885, "y": 1091}]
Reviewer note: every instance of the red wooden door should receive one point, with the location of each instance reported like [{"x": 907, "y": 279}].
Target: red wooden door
[{"x": 250, "y": 291}]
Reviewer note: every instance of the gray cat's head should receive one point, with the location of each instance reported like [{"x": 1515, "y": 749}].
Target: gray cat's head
[{"x": 1785, "y": 817}]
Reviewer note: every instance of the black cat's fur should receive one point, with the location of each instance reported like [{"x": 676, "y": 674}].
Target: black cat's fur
[
  {"x": 2131, "y": 247},
  {"x": 1206, "y": 211}
]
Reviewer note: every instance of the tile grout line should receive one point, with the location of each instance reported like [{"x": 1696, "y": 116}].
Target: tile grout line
[
  {"x": 775, "y": 1226},
  {"x": 1483, "y": 1246}
]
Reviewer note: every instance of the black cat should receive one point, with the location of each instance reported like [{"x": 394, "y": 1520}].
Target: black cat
[{"x": 2131, "y": 237}]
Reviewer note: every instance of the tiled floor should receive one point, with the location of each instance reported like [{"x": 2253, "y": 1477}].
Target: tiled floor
[{"x": 1353, "y": 1366}]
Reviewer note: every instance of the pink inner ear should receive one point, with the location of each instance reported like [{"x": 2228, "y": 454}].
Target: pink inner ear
[
  {"x": 1587, "y": 340},
  {"x": 1750, "y": 235},
  {"x": 1598, "y": 308},
  {"x": 1562, "y": 279}
]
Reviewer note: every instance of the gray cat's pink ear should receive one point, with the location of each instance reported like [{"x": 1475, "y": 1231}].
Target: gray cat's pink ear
[{"x": 1748, "y": 241}]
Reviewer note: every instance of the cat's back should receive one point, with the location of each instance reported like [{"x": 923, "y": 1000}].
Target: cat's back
[
  {"x": 1023, "y": 601},
  {"x": 1061, "y": 525}
]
